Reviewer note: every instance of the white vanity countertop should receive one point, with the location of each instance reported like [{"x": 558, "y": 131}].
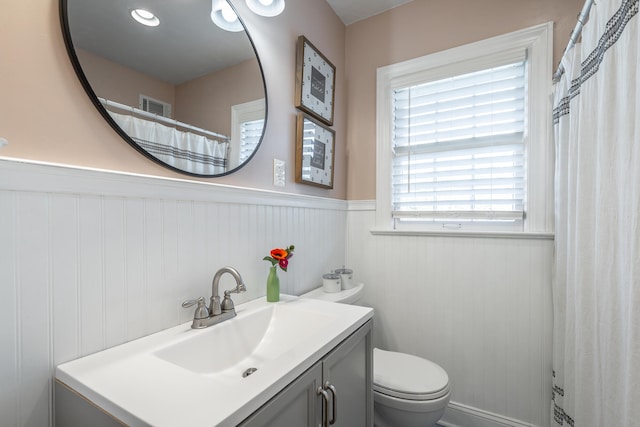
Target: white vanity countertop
[{"x": 137, "y": 384}]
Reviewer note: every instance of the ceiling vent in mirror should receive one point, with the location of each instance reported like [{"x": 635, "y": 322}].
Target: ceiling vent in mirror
[{"x": 154, "y": 106}]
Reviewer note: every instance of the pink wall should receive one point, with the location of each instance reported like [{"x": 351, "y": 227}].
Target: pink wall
[
  {"x": 46, "y": 116},
  {"x": 114, "y": 82},
  {"x": 419, "y": 28},
  {"x": 206, "y": 102},
  {"x": 276, "y": 39}
]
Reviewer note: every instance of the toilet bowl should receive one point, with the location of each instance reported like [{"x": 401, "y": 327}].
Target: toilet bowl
[{"x": 408, "y": 391}]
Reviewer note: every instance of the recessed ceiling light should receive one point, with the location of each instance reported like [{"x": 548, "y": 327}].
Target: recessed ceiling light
[
  {"x": 229, "y": 15},
  {"x": 224, "y": 16},
  {"x": 145, "y": 17},
  {"x": 266, "y": 7}
]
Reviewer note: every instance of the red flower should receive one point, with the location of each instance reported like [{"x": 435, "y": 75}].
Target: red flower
[
  {"x": 280, "y": 257},
  {"x": 279, "y": 254}
]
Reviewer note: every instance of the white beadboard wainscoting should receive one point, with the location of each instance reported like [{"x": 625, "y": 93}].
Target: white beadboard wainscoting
[
  {"x": 480, "y": 307},
  {"x": 92, "y": 259}
]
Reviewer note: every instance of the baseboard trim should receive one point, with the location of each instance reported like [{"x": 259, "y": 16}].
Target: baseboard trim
[{"x": 458, "y": 415}]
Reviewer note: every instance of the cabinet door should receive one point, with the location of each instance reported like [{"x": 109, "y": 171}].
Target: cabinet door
[
  {"x": 297, "y": 405},
  {"x": 349, "y": 369},
  {"x": 73, "y": 410}
]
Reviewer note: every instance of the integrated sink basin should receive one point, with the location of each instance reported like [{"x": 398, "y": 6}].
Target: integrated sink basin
[
  {"x": 216, "y": 376},
  {"x": 249, "y": 341}
]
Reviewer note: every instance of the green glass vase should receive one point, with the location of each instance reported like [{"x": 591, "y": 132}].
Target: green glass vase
[{"x": 273, "y": 285}]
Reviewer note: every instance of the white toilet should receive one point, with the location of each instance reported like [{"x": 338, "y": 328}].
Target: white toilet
[{"x": 408, "y": 391}]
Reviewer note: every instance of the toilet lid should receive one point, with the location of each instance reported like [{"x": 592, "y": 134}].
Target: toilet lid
[{"x": 408, "y": 377}]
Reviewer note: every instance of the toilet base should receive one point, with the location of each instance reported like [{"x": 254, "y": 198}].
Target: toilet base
[
  {"x": 390, "y": 419},
  {"x": 392, "y": 412}
]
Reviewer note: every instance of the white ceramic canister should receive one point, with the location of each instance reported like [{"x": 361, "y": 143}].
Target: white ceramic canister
[
  {"x": 346, "y": 276},
  {"x": 331, "y": 282}
]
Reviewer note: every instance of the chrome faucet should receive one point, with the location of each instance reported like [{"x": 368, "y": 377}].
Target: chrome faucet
[{"x": 217, "y": 312}]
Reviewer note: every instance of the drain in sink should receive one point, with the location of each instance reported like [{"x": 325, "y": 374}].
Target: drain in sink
[{"x": 248, "y": 372}]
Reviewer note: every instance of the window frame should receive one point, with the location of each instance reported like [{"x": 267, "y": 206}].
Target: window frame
[{"x": 536, "y": 43}]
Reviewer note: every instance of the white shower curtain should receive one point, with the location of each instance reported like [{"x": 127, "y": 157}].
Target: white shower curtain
[
  {"x": 596, "y": 348},
  {"x": 183, "y": 150}
]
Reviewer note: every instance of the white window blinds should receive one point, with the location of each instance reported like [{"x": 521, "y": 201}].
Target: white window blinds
[
  {"x": 458, "y": 147},
  {"x": 250, "y": 133}
]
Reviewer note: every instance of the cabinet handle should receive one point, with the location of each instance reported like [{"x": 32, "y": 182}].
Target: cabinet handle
[
  {"x": 325, "y": 405},
  {"x": 334, "y": 395}
]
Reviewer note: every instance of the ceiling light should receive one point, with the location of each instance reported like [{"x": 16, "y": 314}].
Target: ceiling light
[
  {"x": 224, "y": 16},
  {"x": 266, "y": 7},
  {"x": 145, "y": 17}
]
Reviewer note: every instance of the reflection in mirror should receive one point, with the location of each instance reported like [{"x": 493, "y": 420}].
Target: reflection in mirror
[{"x": 177, "y": 87}]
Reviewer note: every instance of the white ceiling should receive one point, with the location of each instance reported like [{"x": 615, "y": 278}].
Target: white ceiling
[
  {"x": 186, "y": 45},
  {"x": 351, "y": 11}
]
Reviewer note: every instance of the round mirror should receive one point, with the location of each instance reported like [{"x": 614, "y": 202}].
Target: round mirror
[{"x": 175, "y": 85}]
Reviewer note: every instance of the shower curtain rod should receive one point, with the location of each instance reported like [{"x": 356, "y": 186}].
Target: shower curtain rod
[
  {"x": 161, "y": 119},
  {"x": 582, "y": 19}
]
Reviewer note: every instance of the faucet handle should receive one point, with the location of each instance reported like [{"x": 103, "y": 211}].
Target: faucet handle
[
  {"x": 201, "y": 310},
  {"x": 227, "y": 302}
]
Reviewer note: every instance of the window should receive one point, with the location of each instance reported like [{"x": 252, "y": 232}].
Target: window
[
  {"x": 458, "y": 147},
  {"x": 250, "y": 133},
  {"x": 463, "y": 138},
  {"x": 247, "y": 121}
]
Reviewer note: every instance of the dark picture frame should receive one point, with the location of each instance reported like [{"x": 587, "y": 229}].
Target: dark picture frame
[
  {"x": 315, "y": 82},
  {"x": 315, "y": 152}
]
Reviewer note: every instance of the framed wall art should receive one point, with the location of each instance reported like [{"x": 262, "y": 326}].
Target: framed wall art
[
  {"x": 315, "y": 152},
  {"x": 315, "y": 82}
]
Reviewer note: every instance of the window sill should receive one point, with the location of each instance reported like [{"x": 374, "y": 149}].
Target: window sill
[{"x": 466, "y": 234}]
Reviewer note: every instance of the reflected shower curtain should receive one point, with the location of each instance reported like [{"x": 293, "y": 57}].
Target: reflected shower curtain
[
  {"x": 183, "y": 150},
  {"x": 596, "y": 348}
]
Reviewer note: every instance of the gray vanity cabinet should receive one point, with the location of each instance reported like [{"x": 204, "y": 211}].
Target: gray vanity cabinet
[
  {"x": 349, "y": 369},
  {"x": 296, "y": 405}
]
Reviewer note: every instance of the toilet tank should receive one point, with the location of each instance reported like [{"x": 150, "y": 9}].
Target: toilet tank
[{"x": 345, "y": 296}]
